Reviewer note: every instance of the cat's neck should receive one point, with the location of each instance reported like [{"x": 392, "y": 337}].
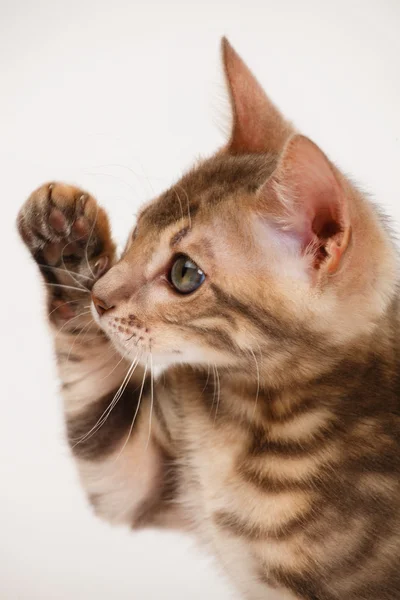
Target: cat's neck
[{"x": 362, "y": 376}]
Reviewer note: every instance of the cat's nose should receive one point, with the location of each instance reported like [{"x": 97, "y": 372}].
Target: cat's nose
[{"x": 100, "y": 305}]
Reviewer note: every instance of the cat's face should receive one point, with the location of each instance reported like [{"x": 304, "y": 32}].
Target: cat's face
[
  {"x": 184, "y": 289},
  {"x": 249, "y": 257}
]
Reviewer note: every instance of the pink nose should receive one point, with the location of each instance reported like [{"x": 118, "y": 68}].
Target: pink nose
[{"x": 100, "y": 305}]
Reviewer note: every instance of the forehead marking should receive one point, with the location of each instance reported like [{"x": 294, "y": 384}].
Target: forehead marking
[
  {"x": 178, "y": 236},
  {"x": 209, "y": 183}
]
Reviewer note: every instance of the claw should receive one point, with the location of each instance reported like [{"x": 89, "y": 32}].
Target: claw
[{"x": 100, "y": 266}]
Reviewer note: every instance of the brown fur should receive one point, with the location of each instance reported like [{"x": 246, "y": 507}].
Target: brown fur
[{"x": 273, "y": 432}]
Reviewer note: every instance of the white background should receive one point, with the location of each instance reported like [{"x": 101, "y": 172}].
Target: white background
[{"x": 120, "y": 98}]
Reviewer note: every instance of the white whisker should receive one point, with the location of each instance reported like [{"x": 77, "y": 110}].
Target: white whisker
[
  {"x": 82, "y": 314},
  {"x": 68, "y": 271},
  {"x": 69, "y": 287},
  {"x": 208, "y": 377},
  {"x": 113, "y": 177},
  {"x": 218, "y": 392},
  {"x": 51, "y": 268},
  {"x": 214, "y": 389},
  {"x": 180, "y": 203},
  {"x": 104, "y": 416},
  {"x": 188, "y": 206},
  {"x": 128, "y": 169},
  {"x": 57, "y": 307},
  {"x": 136, "y": 412},
  {"x": 112, "y": 371},
  {"x": 76, "y": 339},
  {"x": 88, "y": 242},
  {"x": 258, "y": 382},
  {"x": 79, "y": 283},
  {"x": 151, "y": 397}
]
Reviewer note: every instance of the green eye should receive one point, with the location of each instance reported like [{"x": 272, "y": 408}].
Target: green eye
[{"x": 185, "y": 275}]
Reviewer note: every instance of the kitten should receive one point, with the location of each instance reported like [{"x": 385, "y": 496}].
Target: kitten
[{"x": 265, "y": 285}]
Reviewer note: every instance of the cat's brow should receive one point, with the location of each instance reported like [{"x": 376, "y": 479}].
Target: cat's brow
[{"x": 179, "y": 236}]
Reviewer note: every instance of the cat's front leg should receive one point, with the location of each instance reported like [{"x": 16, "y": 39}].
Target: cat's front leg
[
  {"x": 125, "y": 467},
  {"x": 69, "y": 237}
]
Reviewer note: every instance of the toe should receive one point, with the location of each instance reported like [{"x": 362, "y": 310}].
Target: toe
[{"x": 57, "y": 221}]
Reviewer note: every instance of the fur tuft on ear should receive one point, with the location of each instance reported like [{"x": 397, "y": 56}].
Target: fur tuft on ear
[
  {"x": 258, "y": 126},
  {"x": 306, "y": 200}
]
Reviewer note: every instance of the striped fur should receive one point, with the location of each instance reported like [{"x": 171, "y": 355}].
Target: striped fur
[{"x": 273, "y": 431}]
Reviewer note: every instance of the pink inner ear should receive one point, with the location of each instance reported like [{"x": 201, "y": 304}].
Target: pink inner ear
[
  {"x": 312, "y": 203},
  {"x": 325, "y": 224}
]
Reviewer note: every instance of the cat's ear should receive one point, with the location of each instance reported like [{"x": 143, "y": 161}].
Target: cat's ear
[
  {"x": 305, "y": 199},
  {"x": 257, "y": 124}
]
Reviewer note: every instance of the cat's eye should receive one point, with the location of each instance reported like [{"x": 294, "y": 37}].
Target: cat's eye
[{"x": 185, "y": 275}]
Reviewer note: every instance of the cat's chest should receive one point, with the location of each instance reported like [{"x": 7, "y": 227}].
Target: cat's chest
[
  {"x": 221, "y": 453},
  {"x": 231, "y": 513}
]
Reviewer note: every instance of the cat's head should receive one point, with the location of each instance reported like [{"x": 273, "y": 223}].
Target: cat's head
[{"x": 263, "y": 252}]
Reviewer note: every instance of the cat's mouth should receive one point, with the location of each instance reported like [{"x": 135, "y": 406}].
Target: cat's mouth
[
  {"x": 128, "y": 332},
  {"x": 137, "y": 341}
]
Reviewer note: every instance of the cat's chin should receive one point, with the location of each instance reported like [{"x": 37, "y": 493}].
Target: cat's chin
[
  {"x": 162, "y": 361},
  {"x": 159, "y": 362}
]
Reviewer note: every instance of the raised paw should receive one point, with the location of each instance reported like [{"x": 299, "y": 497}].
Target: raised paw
[{"x": 69, "y": 236}]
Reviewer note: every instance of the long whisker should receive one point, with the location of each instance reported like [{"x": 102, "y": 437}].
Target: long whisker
[
  {"x": 77, "y": 337},
  {"x": 68, "y": 271},
  {"x": 208, "y": 377},
  {"x": 219, "y": 392},
  {"x": 69, "y": 287},
  {"x": 128, "y": 169},
  {"x": 214, "y": 389},
  {"x": 88, "y": 242},
  {"x": 151, "y": 397},
  {"x": 50, "y": 268},
  {"x": 118, "y": 395},
  {"x": 180, "y": 203},
  {"x": 146, "y": 176},
  {"x": 57, "y": 307},
  {"x": 82, "y": 314},
  {"x": 188, "y": 205},
  {"x": 258, "y": 382},
  {"x": 104, "y": 416},
  {"x": 112, "y": 371},
  {"x": 85, "y": 340},
  {"x": 97, "y": 174},
  {"x": 136, "y": 412}
]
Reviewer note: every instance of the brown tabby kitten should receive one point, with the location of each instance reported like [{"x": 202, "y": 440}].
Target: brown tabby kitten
[{"x": 265, "y": 285}]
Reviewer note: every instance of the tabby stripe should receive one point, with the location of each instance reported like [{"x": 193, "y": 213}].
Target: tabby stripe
[
  {"x": 210, "y": 313},
  {"x": 240, "y": 528},
  {"x": 168, "y": 493},
  {"x": 261, "y": 444},
  {"x": 105, "y": 440},
  {"x": 267, "y": 483},
  {"x": 367, "y": 548},
  {"x": 268, "y": 399},
  {"x": 267, "y": 322},
  {"x": 49, "y": 276},
  {"x": 217, "y": 338},
  {"x": 68, "y": 356},
  {"x": 216, "y": 180},
  {"x": 305, "y": 585},
  {"x": 167, "y": 210},
  {"x": 265, "y": 401}
]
